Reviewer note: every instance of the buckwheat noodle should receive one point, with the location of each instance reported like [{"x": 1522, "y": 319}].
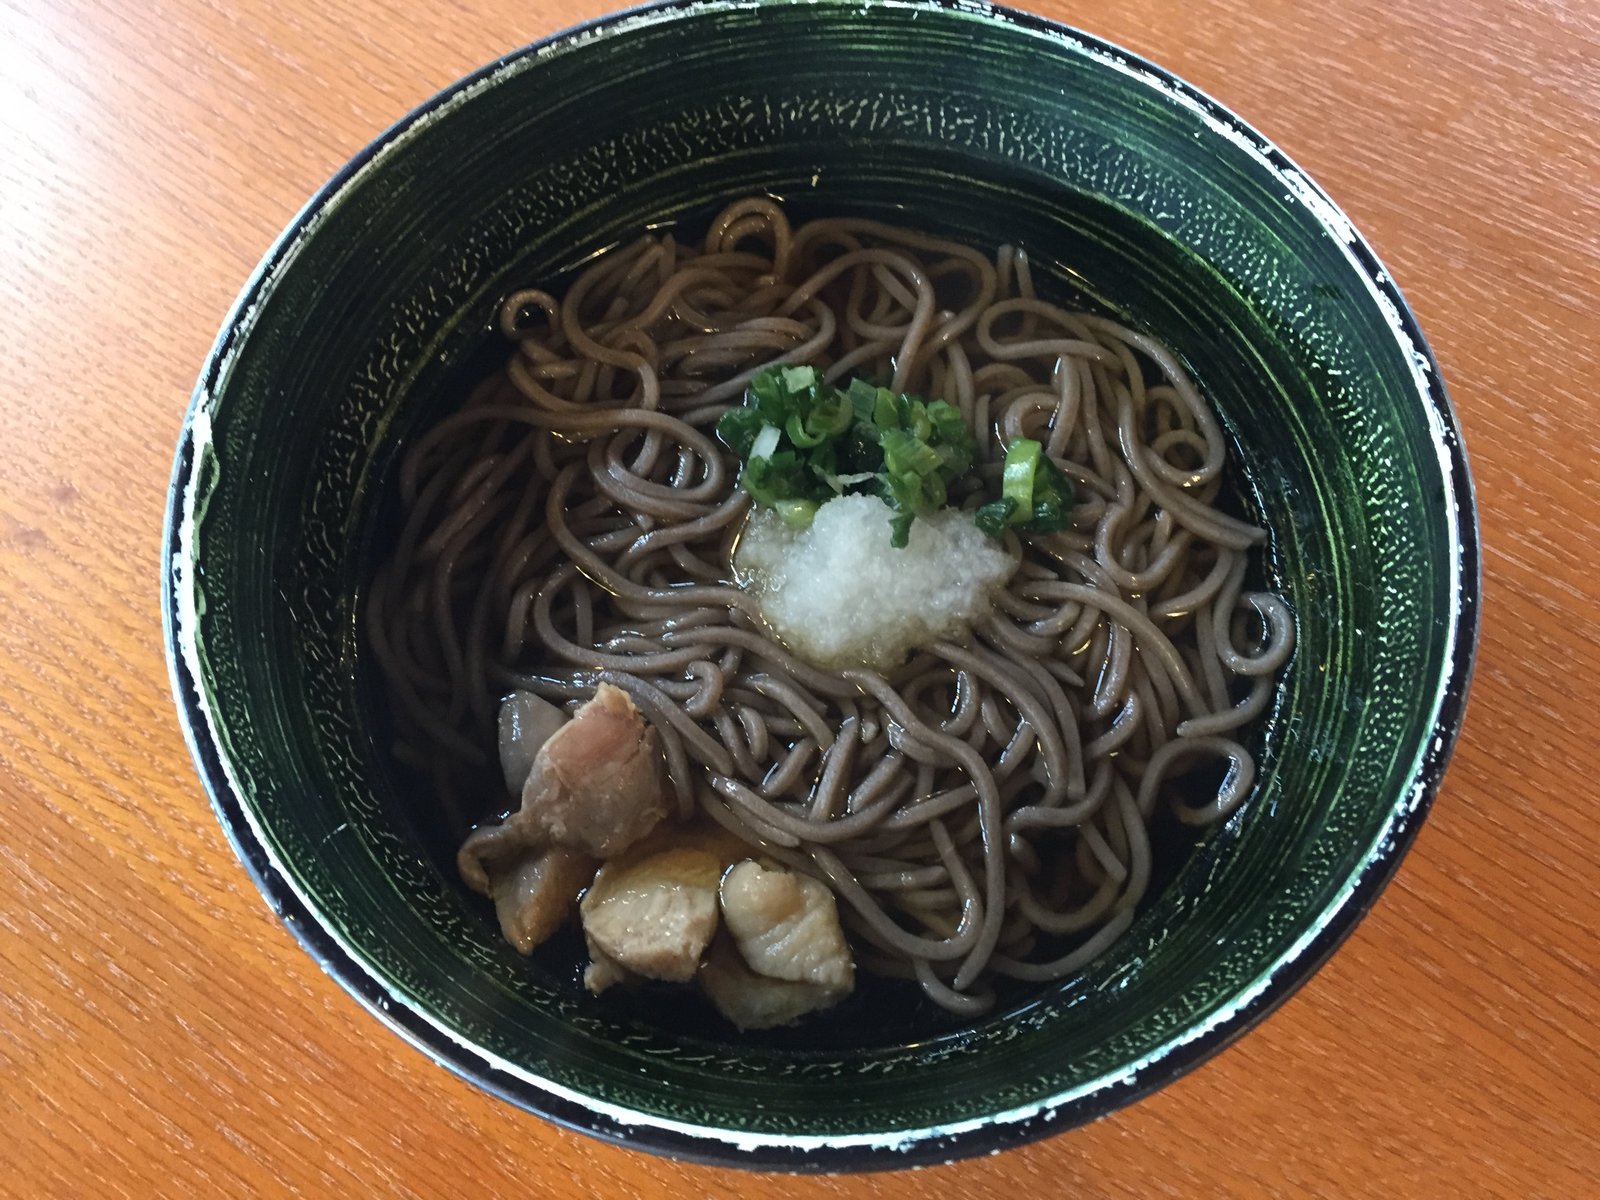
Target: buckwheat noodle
[{"x": 982, "y": 811}]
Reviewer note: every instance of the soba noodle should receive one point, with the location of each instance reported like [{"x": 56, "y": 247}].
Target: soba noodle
[{"x": 981, "y": 811}]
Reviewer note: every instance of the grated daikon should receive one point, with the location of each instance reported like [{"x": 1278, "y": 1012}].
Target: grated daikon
[{"x": 839, "y": 596}]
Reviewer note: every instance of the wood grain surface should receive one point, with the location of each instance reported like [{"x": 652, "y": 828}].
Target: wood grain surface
[{"x": 162, "y": 1035}]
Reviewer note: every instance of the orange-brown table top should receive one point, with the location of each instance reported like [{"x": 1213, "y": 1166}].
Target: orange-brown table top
[{"x": 162, "y": 1035}]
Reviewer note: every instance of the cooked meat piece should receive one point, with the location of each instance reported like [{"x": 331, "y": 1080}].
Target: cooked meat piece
[
  {"x": 595, "y": 787},
  {"x": 601, "y": 972},
  {"x": 637, "y": 911},
  {"x": 786, "y": 926},
  {"x": 754, "y": 1001},
  {"x": 534, "y": 893},
  {"x": 491, "y": 851},
  {"x": 597, "y": 783},
  {"x": 527, "y": 722},
  {"x": 653, "y": 913}
]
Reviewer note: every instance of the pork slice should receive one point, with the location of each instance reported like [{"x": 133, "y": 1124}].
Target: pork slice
[
  {"x": 786, "y": 926},
  {"x": 653, "y": 914},
  {"x": 594, "y": 786},
  {"x": 534, "y": 892},
  {"x": 597, "y": 784},
  {"x": 602, "y": 972}
]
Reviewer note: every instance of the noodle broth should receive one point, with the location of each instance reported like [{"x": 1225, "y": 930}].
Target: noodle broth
[{"x": 882, "y": 1009}]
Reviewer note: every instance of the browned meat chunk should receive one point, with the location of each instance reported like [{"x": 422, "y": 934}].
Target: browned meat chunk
[
  {"x": 601, "y": 972},
  {"x": 653, "y": 914},
  {"x": 534, "y": 893},
  {"x": 754, "y": 1001},
  {"x": 593, "y": 787},
  {"x": 596, "y": 785},
  {"x": 786, "y": 926}
]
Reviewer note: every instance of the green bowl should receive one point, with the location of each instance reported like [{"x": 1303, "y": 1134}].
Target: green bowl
[{"x": 1133, "y": 192}]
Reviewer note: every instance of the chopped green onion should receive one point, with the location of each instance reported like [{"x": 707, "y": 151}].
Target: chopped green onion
[
  {"x": 795, "y": 427},
  {"x": 1016, "y": 484},
  {"x": 831, "y": 415},
  {"x": 796, "y": 514},
  {"x": 738, "y": 428},
  {"x": 839, "y": 482},
  {"x": 907, "y": 454},
  {"x": 803, "y": 441},
  {"x": 900, "y": 530},
  {"x": 798, "y": 379},
  {"x": 766, "y": 442},
  {"x": 993, "y": 517},
  {"x": 1035, "y": 497},
  {"x": 885, "y": 412},
  {"x": 863, "y": 399},
  {"x": 1053, "y": 495}
]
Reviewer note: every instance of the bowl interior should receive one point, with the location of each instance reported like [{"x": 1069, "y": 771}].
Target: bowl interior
[{"x": 1129, "y": 193}]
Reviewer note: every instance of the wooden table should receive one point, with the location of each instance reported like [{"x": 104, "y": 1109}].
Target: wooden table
[{"x": 162, "y": 1035}]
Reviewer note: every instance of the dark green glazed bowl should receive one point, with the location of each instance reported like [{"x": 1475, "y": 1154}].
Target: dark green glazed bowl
[{"x": 1133, "y": 191}]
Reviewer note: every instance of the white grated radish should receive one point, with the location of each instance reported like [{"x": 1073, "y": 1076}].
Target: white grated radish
[{"x": 839, "y": 595}]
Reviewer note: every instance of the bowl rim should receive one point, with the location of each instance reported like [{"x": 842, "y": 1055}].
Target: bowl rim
[{"x": 898, "y": 1148}]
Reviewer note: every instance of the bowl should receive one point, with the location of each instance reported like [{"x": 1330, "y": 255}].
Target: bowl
[{"x": 1133, "y": 191}]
